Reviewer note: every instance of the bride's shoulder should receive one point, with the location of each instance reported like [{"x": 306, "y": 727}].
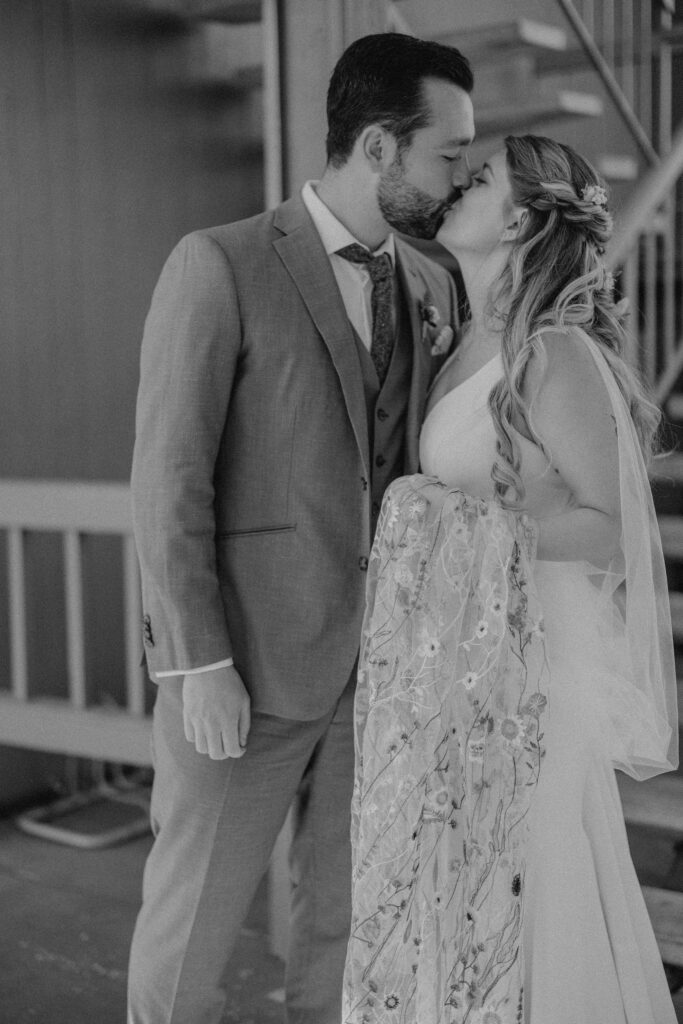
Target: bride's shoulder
[
  {"x": 562, "y": 356},
  {"x": 564, "y": 383}
]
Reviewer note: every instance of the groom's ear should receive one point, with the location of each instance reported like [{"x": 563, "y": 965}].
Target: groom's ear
[
  {"x": 378, "y": 147},
  {"x": 516, "y": 222}
]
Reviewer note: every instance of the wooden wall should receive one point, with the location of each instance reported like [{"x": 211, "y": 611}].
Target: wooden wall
[
  {"x": 119, "y": 133},
  {"x": 116, "y": 141}
]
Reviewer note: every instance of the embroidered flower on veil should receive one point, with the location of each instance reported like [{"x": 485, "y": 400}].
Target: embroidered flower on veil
[
  {"x": 430, "y": 645},
  {"x": 486, "y": 1016},
  {"x": 512, "y": 730},
  {"x": 449, "y": 731}
]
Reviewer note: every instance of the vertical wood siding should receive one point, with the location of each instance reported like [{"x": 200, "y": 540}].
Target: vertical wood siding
[
  {"x": 112, "y": 146},
  {"x": 119, "y": 133}
]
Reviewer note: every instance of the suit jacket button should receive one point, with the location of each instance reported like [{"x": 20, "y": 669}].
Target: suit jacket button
[
  {"x": 363, "y": 563},
  {"x": 380, "y": 460},
  {"x": 147, "y": 637}
]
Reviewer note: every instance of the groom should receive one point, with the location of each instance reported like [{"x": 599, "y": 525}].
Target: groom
[{"x": 285, "y": 364}]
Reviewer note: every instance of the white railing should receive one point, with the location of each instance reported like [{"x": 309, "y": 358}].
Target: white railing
[
  {"x": 638, "y": 248},
  {"x": 73, "y": 724}
]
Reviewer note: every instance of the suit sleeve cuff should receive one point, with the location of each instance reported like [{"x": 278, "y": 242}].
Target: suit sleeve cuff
[{"x": 226, "y": 663}]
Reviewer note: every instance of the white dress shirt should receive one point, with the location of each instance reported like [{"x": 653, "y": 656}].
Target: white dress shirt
[
  {"x": 355, "y": 286},
  {"x": 353, "y": 279}
]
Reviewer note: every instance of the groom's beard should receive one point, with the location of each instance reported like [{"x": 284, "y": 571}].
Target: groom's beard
[{"x": 407, "y": 208}]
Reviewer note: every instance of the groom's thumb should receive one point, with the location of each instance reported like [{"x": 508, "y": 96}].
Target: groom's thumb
[{"x": 244, "y": 723}]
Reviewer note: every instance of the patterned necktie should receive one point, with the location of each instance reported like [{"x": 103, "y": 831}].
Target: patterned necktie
[{"x": 381, "y": 273}]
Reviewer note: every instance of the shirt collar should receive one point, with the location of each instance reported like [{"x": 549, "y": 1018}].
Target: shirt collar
[{"x": 333, "y": 234}]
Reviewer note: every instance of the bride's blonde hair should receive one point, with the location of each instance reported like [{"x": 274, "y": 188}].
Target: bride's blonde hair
[{"x": 556, "y": 277}]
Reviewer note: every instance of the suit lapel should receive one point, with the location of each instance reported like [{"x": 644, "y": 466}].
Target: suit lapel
[
  {"x": 304, "y": 256},
  {"x": 414, "y": 288}
]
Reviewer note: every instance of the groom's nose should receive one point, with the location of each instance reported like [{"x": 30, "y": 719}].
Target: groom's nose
[{"x": 462, "y": 175}]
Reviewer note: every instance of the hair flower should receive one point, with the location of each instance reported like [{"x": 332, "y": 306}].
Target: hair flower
[{"x": 594, "y": 194}]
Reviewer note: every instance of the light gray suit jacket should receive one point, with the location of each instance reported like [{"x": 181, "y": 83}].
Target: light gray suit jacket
[{"x": 251, "y": 465}]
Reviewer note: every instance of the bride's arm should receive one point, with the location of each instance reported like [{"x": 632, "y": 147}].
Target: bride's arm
[{"x": 571, "y": 414}]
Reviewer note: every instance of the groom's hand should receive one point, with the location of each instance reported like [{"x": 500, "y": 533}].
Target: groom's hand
[{"x": 216, "y": 713}]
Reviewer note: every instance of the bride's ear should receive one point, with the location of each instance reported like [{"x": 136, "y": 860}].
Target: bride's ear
[{"x": 516, "y": 224}]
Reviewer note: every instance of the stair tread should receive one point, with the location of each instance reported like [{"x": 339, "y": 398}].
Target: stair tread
[
  {"x": 674, "y": 408},
  {"x": 671, "y": 531},
  {"x": 665, "y": 907},
  {"x": 236, "y": 12},
  {"x": 656, "y": 803},
  {"x": 559, "y": 103},
  {"x": 617, "y": 167},
  {"x": 676, "y": 603},
  {"x": 668, "y": 468},
  {"x": 523, "y": 33}
]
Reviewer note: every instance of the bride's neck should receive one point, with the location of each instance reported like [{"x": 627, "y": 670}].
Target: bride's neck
[{"x": 480, "y": 275}]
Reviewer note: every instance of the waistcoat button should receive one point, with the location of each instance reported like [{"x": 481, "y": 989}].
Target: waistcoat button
[
  {"x": 380, "y": 460},
  {"x": 382, "y": 414}
]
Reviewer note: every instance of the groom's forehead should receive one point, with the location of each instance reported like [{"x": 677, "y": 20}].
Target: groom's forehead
[{"x": 451, "y": 112}]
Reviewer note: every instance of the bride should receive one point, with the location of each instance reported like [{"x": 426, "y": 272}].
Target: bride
[{"x": 517, "y": 644}]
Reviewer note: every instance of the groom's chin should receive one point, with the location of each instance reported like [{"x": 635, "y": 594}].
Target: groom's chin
[
  {"x": 422, "y": 233},
  {"x": 424, "y": 229}
]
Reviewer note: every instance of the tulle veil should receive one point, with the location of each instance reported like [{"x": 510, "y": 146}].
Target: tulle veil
[{"x": 634, "y": 613}]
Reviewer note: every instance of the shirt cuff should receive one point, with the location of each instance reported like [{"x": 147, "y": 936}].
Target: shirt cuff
[{"x": 195, "y": 671}]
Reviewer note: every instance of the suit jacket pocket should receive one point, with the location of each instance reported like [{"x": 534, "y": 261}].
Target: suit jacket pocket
[{"x": 256, "y": 531}]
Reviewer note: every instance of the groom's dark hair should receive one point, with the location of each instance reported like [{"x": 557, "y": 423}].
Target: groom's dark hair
[{"x": 378, "y": 80}]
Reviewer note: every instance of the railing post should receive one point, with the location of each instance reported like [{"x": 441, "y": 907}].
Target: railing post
[
  {"x": 629, "y": 290},
  {"x": 75, "y": 632},
  {"x": 644, "y": 30},
  {"x": 135, "y": 680},
  {"x": 650, "y": 192},
  {"x": 605, "y": 72},
  {"x": 649, "y": 329},
  {"x": 17, "y": 612},
  {"x": 272, "y": 111}
]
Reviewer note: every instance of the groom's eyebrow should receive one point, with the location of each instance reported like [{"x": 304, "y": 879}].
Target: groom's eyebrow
[{"x": 464, "y": 141}]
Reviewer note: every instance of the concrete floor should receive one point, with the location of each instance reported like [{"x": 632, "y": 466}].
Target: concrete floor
[
  {"x": 67, "y": 916},
  {"x": 66, "y": 919}
]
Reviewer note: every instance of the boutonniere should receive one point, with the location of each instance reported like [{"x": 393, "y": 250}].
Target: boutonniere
[{"x": 439, "y": 338}]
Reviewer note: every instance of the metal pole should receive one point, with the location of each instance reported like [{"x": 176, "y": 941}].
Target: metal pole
[
  {"x": 615, "y": 92},
  {"x": 650, "y": 193}
]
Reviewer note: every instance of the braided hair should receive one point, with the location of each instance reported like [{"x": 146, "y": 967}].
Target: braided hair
[{"x": 556, "y": 277}]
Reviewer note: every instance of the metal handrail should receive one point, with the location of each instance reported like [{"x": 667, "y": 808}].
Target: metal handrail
[
  {"x": 648, "y": 195},
  {"x": 611, "y": 84},
  {"x": 633, "y": 61}
]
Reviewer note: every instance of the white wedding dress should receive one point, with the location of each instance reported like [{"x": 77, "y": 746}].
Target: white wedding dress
[{"x": 589, "y": 952}]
